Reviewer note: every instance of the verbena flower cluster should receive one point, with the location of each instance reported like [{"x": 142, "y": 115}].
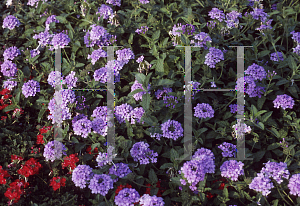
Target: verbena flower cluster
[
  {"x": 30, "y": 88},
  {"x": 120, "y": 170},
  {"x": 213, "y": 57},
  {"x": 96, "y": 55},
  {"x": 54, "y": 150},
  {"x": 11, "y": 53},
  {"x": 50, "y": 20},
  {"x": 232, "y": 169},
  {"x": 141, "y": 153},
  {"x": 201, "y": 39},
  {"x": 70, "y": 80},
  {"x": 81, "y": 175},
  {"x": 284, "y": 101},
  {"x": 275, "y": 58},
  {"x": 8, "y": 68},
  {"x": 204, "y": 110},
  {"x": 137, "y": 85},
  {"x": 10, "y": 22},
  {"x": 194, "y": 171},
  {"x": 101, "y": 184},
  {"x": 105, "y": 11},
  {"x": 147, "y": 200},
  {"x": 105, "y": 158},
  {"x": 216, "y": 13},
  {"x": 294, "y": 185},
  {"x": 172, "y": 129},
  {"x": 127, "y": 197},
  {"x": 228, "y": 149}
]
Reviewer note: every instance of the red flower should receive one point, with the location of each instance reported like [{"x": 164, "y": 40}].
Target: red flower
[
  {"x": 159, "y": 193},
  {"x": 56, "y": 182},
  {"x": 3, "y": 174},
  {"x": 121, "y": 187},
  {"x": 40, "y": 139},
  {"x": 209, "y": 195},
  {"x": 16, "y": 157},
  {"x": 15, "y": 190},
  {"x": 31, "y": 167},
  {"x": 5, "y": 91},
  {"x": 3, "y": 117},
  {"x": 70, "y": 161}
]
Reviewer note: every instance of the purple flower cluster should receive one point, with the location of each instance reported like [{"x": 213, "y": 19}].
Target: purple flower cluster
[
  {"x": 294, "y": 185},
  {"x": 122, "y": 112},
  {"x": 194, "y": 170},
  {"x": 60, "y": 40},
  {"x": 120, "y": 170},
  {"x": 105, "y": 11},
  {"x": 135, "y": 115},
  {"x": 53, "y": 78},
  {"x": 99, "y": 36},
  {"x": 54, "y": 150},
  {"x": 30, "y": 88},
  {"x": 143, "y": 30},
  {"x": 114, "y": 2},
  {"x": 172, "y": 129},
  {"x": 10, "y": 22},
  {"x": 8, "y": 68},
  {"x": 213, "y": 57},
  {"x": 125, "y": 55},
  {"x": 81, "y": 175},
  {"x": 45, "y": 38},
  {"x": 188, "y": 28},
  {"x": 256, "y": 72},
  {"x": 11, "y": 53},
  {"x": 147, "y": 200},
  {"x": 100, "y": 112},
  {"x": 160, "y": 92},
  {"x": 297, "y": 49},
  {"x": 127, "y": 197},
  {"x": 82, "y": 127},
  {"x": 232, "y": 19},
  {"x": 9, "y": 84},
  {"x": 35, "y": 2},
  {"x": 259, "y": 14},
  {"x": 49, "y": 20},
  {"x": 105, "y": 158},
  {"x": 216, "y": 13},
  {"x": 140, "y": 59},
  {"x": 232, "y": 169},
  {"x": 70, "y": 80},
  {"x": 34, "y": 53},
  {"x": 296, "y": 36},
  {"x": 238, "y": 128},
  {"x": 284, "y": 101},
  {"x": 234, "y": 108},
  {"x": 101, "y": 184},
  {"x": 204, "y": 110},
  {"x": 262, "y": 183},
  {"x": 201, "y": 39},
  {"x": 96, "y": 54},
  {"x": 144, "y": 1},
  {"x": 275, "y": 58},
  {"x": 170, "y": 101},
  {"x": 99, "y": 126},
  {"x": 264, "y": 26},
  {"x": 228, "y": 149},
  {"x": 137, "y": 85},
  {"x": 141, "y": 153}
]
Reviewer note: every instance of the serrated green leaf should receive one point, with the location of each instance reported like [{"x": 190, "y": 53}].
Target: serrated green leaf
[
  {"x": 260, "y": 102},
  {"x": 41, "y": 113},
  {"x": 282, "y": 81},
  {"x": 259, "y": 113},
  {"x": 156, "y": 35},
  {"x": 10, "y": 108},
  {"x": 165, "y": 82},
  {"x": 258, "y": 155},
  {"x": 274, "y": 132},
  {"x": 140, "y": 77},
  {"x": 146, "y": 98},
  {"x": 159, "y": 68},
  {"x": 174, "y": 155},
  {"x": 261, "y": 125},
  {"x": 135, "y": 92},
  {"x": 266, "y": 116}
]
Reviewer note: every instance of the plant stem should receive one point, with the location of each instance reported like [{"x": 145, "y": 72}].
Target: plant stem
[
  {"x": 282, "y": 196},
  {"x": 288, "y": 196}
]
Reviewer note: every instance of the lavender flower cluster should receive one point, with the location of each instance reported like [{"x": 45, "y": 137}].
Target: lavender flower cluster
[
  {"x": 137, "y": 85},
  {"x": 213, "y": 57},
  {"x": 232, "y": 169},
  {"x": 81, "y": 175},
  {"x": 101, "y": 184},
  {"x": 127, "y": 197},
  {"x": 204, "y": 110},
  {"x": 141, "y": 153},
  {"x": 228, "y": 149},
  {"x": 54, "y": 150},
  {"x": 10, "y": 22},
  {"x": 284, "y": 101},
  {"x": 120, "y": 170}
]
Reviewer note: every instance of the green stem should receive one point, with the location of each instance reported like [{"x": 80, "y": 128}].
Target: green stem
[
  {"x": 288, "y": 196},
  {"x": 67, "y": 56},
  {"x": 106, "y": 201},
  {"x": 282, "y": 196}
]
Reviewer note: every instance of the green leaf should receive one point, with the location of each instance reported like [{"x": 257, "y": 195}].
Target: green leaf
[
  {"x": 79, "y": 64},
  {"x": 146, "y": 82},
  {"x": 260, "y": 102},
  {"x": 61, "y": 19},
  {"x": 293, "y": 91},
  {"x": 166, "y": 165},
  {"x": 41, "y": 113},
  {"x": 94, "y": 146},
  {"x": 135, "y": 92},
  {"x": 156, "y": 35},
  {"x": 130, "y": 40},
  {"x": 261, "y": 125},
  {"x": 258, "y": 155},
  {"x": 146, "y": 98},
  {"x": 26, "y": 71},
  {"x": 274, "y": 132},
  {"x": 174, "y": 155},
  {"x": 263, "y": 53},
  {"x": 225, "y": 192},
  {"x": 79, "y": 147},
  {"x": 152, "y": 176},
  {"x": 159, "y": 68},
  {"x": 39, "y": 7},
  {"x": 282, "y": 81},
  {"x": 140, "y": 77},
  {"x": 275, "y": 202},
  {"x": 10, "y": 108},
  {"x": 165, "y": 82},
  {"x": 292, "y": 63},
  {"x": 273, "y": 146},
  {"x": 259, "y": 113},
  {"x": 266, "y": 116}
]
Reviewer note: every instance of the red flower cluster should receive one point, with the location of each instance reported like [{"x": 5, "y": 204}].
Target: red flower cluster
[
  {"x": 4, "y": 102},
  {"x": 3, "y": 174},
  {"x": 56, "y": 182},
  {"x": 121, "y": 187},
  {"x": 31, "y": 167},
  {"x": 69, "y": 162},
  {"x": 40, "y": 137},
  {"x": 15, "y": 190},
  {"x": 160, "y": 191},
  {"x": 89, "y": 148},
  {"x": 221, "y": 187}
]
